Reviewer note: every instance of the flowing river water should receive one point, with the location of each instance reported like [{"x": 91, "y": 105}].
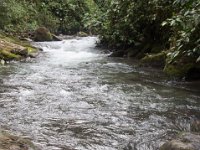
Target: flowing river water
[{"x": 74, "y": 97}]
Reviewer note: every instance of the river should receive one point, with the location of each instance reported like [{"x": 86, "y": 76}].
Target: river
[{"x": 75, "y": 97}]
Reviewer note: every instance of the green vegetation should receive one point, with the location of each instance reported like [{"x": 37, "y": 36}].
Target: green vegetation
[
  {"x": 6, "y": 55},
  {"x": 59, "y": 16},
  {"x": 165, "y": 32},
  {"x": 148, "y": 27}
]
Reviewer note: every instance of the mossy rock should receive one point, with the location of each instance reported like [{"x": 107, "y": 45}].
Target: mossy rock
[
  {"x": 10, "y": 142},
  {"x": 180, "y": 67},
  {"x": 12, "y": 49},
  {"x": 21, "y": 52},
  {"x": 157, "y": 60},
  {"x": 42, "y": 34},
  {"x": 13, "y": 40},
  {"x": 32, "y": 51},
  {"x": 177, "y": 70},
  {"x": 7, "y": 56},
  {"x": 82, "y": 34}
]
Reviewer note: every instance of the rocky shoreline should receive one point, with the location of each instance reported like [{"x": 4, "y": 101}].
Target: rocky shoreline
[
  {"x": 185, "y": 141},
  {"x": 19, "y": 47},
  {"x": 14, "y": 49},
  {"x": 11, "y": 142}
]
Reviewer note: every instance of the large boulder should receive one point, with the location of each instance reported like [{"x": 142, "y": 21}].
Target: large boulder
[
  {"x": 186, "y": 141},
  {"x": 11, "y": 49},
  {"x": 42, "y": 34}
]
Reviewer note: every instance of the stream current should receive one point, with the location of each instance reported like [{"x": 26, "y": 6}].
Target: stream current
[{"x": 75, "y": 97}]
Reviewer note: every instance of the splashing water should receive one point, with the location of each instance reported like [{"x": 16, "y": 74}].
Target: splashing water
[{"x": 74, "y": 97}]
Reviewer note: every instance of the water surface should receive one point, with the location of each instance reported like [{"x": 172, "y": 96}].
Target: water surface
[{"x": 74, "y": 97}]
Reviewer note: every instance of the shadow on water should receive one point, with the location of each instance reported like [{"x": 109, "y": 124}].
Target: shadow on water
[{"x": 74, "y": 97}]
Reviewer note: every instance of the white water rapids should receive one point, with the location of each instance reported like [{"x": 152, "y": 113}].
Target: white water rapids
[{"x": 74, "y": 97}]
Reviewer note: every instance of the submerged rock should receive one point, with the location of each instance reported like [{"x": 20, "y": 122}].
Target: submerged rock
[
  {"x": 10, "y": 142},
  {"x": 186, "y": 141}
]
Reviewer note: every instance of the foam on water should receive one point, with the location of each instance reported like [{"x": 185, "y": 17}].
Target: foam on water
[{"x": 75, "y": 97}]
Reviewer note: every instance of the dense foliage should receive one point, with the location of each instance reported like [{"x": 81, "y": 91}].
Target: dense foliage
[
  {"x": 64, "y": 16},
  {"x": 166, "y": 28},
  {"x": 154, "y": 26},
  {"x": 186, "y": 28},
  {"x": 129, "y": 22}
]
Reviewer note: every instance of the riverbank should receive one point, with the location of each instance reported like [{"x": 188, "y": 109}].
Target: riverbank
[
  {"x": 176, "y": 65},
  {"x": 164, "y": 34},
  {"x": 11, "y": 48}
]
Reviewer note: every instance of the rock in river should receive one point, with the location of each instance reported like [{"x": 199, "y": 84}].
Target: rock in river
[
  {"x": 186, "y": 141},
  {"x": 10, "y": 142},
  {"x": 42, "y": 34}
]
